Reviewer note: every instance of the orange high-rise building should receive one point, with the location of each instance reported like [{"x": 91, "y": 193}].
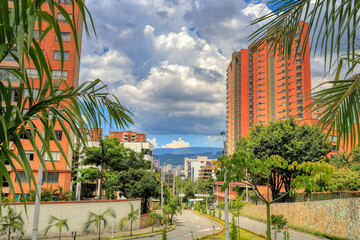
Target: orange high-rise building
[
  {"x": 70, "y": 74},
  {"x": 263, "y": 86},
  {"x": 128, "y": 136}
]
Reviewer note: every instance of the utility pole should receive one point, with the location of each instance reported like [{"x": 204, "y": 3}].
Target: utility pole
[
  {"x": 162, "y": 193},
  {"x": 226, "y": 196}
]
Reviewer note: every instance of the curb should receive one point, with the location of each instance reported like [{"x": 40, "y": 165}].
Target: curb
[{"x": 149, "y": 235}]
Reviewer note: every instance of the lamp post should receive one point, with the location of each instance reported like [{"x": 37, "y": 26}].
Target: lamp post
[{"x": 226, "y": 195}]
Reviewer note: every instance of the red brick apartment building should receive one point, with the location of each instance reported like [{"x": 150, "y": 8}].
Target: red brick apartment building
[
  {"x": 70, "y": 74},
  {"x": 128, "y": 136},
  {"x": 263, "y": 86}
]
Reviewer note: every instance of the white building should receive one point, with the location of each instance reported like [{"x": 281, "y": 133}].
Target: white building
[{"x": 141, "y": 146}]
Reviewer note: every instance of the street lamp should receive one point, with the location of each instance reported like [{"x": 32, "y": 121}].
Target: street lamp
[{"x": 226, "y": 194}]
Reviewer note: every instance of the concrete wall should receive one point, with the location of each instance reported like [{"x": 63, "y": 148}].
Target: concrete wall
[
  {"x": 77, "y": 213},
  {"x": 338, "y": 217}
]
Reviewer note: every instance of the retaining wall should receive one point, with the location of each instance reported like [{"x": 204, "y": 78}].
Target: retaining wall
[
  {"x": 77, "y": 213},
  {"x": 338, "y": 217}
]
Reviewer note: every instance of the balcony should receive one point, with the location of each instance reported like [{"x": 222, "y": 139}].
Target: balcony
[
  {"x": 299, "y": 90},
  {"x": 298, "y": 77},
  {"x": 250, "y": 92},
  {"x": 298, "y": 63},
  {"x": 299, "y": 97},
  {"x": 299, "y": 104},
  {"x": 251, "y": 103},
  {"x": 250, "y": 80},
  {"x": 298, "y": 70},
  {"x": 299, "y": 84}
]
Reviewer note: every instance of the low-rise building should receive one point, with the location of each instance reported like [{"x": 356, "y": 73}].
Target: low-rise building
[
  {"x": 128, "y": 136},
  {"x": 196, "y": 163}
]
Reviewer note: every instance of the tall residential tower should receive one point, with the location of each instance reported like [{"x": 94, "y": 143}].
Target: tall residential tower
[{"x": 263, "y": 86}]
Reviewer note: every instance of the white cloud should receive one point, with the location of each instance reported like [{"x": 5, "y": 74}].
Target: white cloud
[
  {"x": 177, "y": 144},
  {"x": 153, "y": 142},
  {"x": 256, "y": 10}
]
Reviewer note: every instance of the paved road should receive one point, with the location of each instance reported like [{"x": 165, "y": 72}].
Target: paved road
[
  {"x": 187, "y": 222},
  {"x": 260, "y": 228}
]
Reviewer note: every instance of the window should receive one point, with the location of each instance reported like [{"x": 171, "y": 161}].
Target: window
[
  {"x": 24, "y": 136},
  {"x": 51, "y": 178},
  {"x": 58, "y": 134},
  {"x": 57, "y": 74},
  {"x": 65, "y": 1},
  {"x": 55, "y": 155},
  {"x": 36, "y": 35},
  {"x": 22, "y": 177},
  {"x": 32, "y": 73},
  {"x": 6, "y": 75},
  {"x": 15, "y": 95},
  {"x": 65, "y": 36},
  {"x": 29, "y": 155},
  {"x": 57, "y": 55},
  {"x": 34, "y": 91},
  {"x": 61, "y": 18}
]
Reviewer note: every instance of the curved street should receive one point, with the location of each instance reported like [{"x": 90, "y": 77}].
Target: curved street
[{"x": 190, "y": 225}]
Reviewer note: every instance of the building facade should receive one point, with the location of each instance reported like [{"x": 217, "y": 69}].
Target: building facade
[
  {"x": 70, "y": 74},
  {"x": 264, "y": 86},
  {"x": 192, "y": 165},
  {"x": 128, "y": 136}
]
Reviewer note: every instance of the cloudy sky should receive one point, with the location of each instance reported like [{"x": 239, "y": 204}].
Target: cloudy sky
[{"x": 166, "y": 61}]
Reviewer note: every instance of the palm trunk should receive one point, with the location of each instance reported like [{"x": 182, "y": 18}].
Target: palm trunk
[
  {"x": 99, "y": 229},
  {"x": 60, "y": 233},
  {"x": 152, "y": 228},
  {"x": 268, "y": 223},
  {"x": 131, "y": 222}
]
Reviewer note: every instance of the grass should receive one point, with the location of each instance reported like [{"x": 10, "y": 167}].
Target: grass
[
  {"x": 140, "y": 234},
  {"x": 244, "y": 235}
]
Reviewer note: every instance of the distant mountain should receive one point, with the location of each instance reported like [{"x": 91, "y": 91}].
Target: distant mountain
[
  {"x": 178, "y": 155},
  {"x": 190, "y": 150}
]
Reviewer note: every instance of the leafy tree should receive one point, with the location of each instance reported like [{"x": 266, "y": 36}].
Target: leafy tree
[
  {"x": 77, "y": 108},
  {"x": 332, "y": 36},
  {"x": 153, "y": 218},
  {"x": 260, "y": 171},
  {"x": 97, "y": 219},
  {"x": 233, "y": 230},
  {"x": 173, "y": 207},
  {"x": 12, "y": 223},
  {"x": 219, "y": 214},
  {"x": 132, "y": 216},
  {"x": 58, "y": 223},
  {"x": 291, "y": 141},
  {"x": 189, "y": 190},
  {"x": 137, "y": 183},
  {"x": 344, "y": 180},
  {"x": 235, "y": 207},
  {"x": 278, "y": 222},
  {"x": 163, "y": 234}
]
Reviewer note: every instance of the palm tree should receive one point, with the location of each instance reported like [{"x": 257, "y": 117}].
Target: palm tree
[
  {"x": 332, "y": 27},
  {"x": 172, "y": 208},
  {"x": 77, "y": 109},
  {"x": 132, "y": 216},
  {"x": 97, "y": 219},
  {"x": 153, "y": 217},
  {"x": 58, "y": 223},
  {"x": 12, "y": 223}
]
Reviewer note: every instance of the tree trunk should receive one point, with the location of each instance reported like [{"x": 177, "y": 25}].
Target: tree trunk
[
  {"x": 131, "y": 222},
  {"x": 60, "y": 233},
  {"x": 152, "y": 228},
  {"x": 9, "y": 234},
  {"x": 268, "y": 223},
  {"x": 239, "y": 223},
  {"x": 99, "y": 229}
]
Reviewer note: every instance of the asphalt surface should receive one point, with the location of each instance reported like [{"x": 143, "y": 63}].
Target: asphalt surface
[
  {"x": 189, "y": 222},
  {"x": 260, "y": 228}
]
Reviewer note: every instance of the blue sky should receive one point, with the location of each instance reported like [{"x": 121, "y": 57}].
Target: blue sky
[{"x": 166, "y": 61}]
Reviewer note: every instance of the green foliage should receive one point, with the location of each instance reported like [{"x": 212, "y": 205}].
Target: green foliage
[
  {"x": 153, "y": 218},
  {"x": 219, "y": 214},
  {"x": 135, "y": 183},
  {"x": 163, "y": 234},
  {"x": 236, "y": 205},
  {"x": 98, "y": 219},
  {"x": 172, "y": 208},
  {"x": 82, "y": 107},
  {"x": 293, "y": 142},
  {"x": 12, "y": 223},
  {"x": 57, "y": 223},
  {"x": 233, "y": 230},
  {"x": 132, "y": 216},
  {"x": 221, "y": 205},
  {"x": 344, "y": 180},
  {"x": 90, "y": 174},
  {"x": 278, "y": 222},
  {"x": 50, "y": 194}
]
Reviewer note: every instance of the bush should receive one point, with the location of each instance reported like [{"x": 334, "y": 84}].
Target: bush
[
  {"x": 164, "y": 234},
  {"x": 233, "y": 230}
]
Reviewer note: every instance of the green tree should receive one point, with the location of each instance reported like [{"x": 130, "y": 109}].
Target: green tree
[
  {"x": 291, "y": 141},
  {"x": 153, "y": 218},
  {"x": 173, "y": 207},
  {"x": 235, "y": 207},
  {"x": 332, "y": 35},
  {"x": 12, "y": 223},
  {"x": 57, "y": 223},
  {"x": 77, "y": 109},
  {"x": 260, "y": 171},
  {"x": 233, "y": 230},
  {"x": 98, "y": 219},
  {"x": 132, "y": 216},
  {"x": 278, "y": 222},
  {"x": 163, "y": 234},
  {"x": 219, "y": 214}
]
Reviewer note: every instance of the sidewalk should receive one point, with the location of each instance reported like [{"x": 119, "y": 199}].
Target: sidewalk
[{"x": 109, "y": 235}]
